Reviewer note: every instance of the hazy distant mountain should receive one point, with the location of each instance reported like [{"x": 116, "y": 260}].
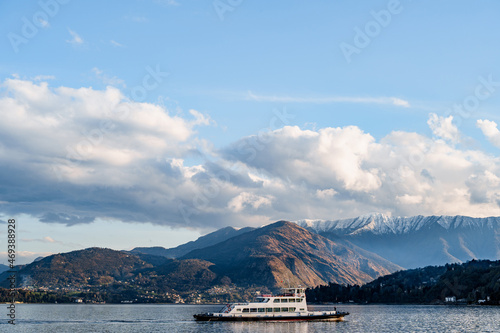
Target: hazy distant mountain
[
  {"x": 3, "y": 268},
  {"x": 417, "y": 241},
  {"x": 274, "y": 255},
  {"x": 283, "y": 253},
  {"x": 204, "y": 241}
]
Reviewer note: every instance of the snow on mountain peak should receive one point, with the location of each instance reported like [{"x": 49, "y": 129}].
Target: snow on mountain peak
[{"x": 383, "y": 224}]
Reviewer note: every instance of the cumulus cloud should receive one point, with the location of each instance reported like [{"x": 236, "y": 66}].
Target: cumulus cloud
[
  {"x": 443, "y": 127},
  {"x": 325, "y": 194},
  {"x": 490, "y": 130},
  {"x": 329, "y": 157},
  {"x": 238, "y": 203},
  {"x": 70, "y": 155},
  {"x": 344, "y": 172},
  {"x": 76, "y": 156}
]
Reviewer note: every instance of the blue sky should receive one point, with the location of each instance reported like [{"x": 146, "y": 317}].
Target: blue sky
[{"x": 152, "y": 122}]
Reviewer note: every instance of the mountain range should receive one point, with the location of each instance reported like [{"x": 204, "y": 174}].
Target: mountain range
[
  {"x": 283, "y": 253},
  {"x": 204, "y": 241},
  {"x": 275, "y": 255},
  {"x": 3, "y": 268},
  {"x": 417, "y": 241},
  {"x": 307, "y": 252}
]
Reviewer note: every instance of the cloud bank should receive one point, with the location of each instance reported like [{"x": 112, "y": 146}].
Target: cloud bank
[{"x": 71, "y": 156}]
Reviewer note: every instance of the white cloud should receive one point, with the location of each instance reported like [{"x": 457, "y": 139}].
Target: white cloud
[
  {"x": 74, "y": 140},
  {"x": 45, "y": 239},
  {"x": 325, "y": 194},
  {"x": 43, "y": 77},
  {"x": 403, "y": 173},
  {"x": 407, "y": 199},
  {"x": 443, "y": 127},
  {"x": 200, "y": 118},
  {"x": 24, "y": 257},
  {"x": 112, "y": 81},
  {"x": 80, "y": 155},
  {"x": 44, "y": 23},
  {"x": 245, "y": 199},
  {"x": 490, "y": 130},
  {"x": 115, "y": 43},
  {"x": 76, "y": 39},
  {"x": 329, "y": 99}
]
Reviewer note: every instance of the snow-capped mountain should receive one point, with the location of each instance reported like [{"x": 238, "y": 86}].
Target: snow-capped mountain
[
  {"x": 382, "y": 224},
  {"x": 419, "y": 240}
]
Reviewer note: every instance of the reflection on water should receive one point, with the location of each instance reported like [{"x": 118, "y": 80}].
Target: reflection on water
[
  {"x": 264, "y": 327},
  {"x": 179, "y": 318}
]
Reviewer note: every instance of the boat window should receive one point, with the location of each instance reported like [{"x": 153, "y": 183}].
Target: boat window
[
  {"x": 276, "y": 300},
  {"x": 269, "y": 309},
  {"x": 284, "y": 300},
  {"x": 238, "y": 309},
  {"x": 262, "y": 310},
  {"x": 276, "y": 310},
  {"x": 301, "y": 309},
  {"x": 284, "y": 309},
  {"x": 246, "y": 310},
  {"x": 291, "y": 309},
  {"x": 253, "y": 310}
]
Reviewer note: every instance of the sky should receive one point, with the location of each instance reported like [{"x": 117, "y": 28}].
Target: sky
[{"x": 153, "y": 122}]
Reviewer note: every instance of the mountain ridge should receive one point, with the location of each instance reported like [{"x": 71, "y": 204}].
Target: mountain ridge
[
  {"x": 284, "y": 251},
  {"x": 417, "y": 241},
  {"x": 212, "y": 238},
  {"x": 382, "y": 224}
]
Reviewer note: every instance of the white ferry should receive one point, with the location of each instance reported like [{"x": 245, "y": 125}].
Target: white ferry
[{"x": 289, "y": 305}]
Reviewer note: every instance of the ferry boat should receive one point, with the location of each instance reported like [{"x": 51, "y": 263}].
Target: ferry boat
[{"x": 290, "y": 305}]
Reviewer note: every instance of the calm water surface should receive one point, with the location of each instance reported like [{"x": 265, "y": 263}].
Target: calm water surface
[{"x": 179, "y": 318}]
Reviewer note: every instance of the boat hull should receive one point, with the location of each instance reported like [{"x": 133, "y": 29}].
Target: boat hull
[{"x": 322, "y": 317}]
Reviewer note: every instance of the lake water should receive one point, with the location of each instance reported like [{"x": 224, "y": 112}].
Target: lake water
[{"x": 179, "y": 318}]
